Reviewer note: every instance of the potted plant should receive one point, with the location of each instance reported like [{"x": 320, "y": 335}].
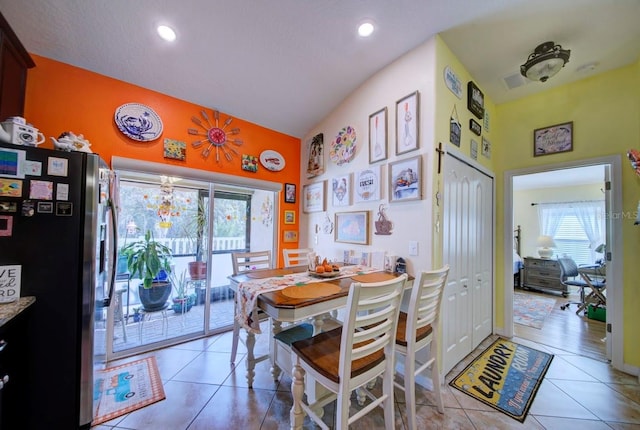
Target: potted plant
[
  {"x": 196, "y": 231},
  {"x": 182, "y": 302},
  {"x": 148, "y": 260}
]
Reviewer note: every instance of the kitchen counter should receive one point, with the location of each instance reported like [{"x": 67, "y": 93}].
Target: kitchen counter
[{"x": 8, "y": 311}]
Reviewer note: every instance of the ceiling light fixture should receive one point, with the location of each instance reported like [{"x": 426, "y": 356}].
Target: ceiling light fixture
[
  {"x": 547, "y": 60},
  {"x": 166, "y": 33},
  {"x": 365, "y": 29}
]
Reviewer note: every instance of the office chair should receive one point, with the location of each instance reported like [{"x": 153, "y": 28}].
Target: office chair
[{"x": 568, "y": 274}]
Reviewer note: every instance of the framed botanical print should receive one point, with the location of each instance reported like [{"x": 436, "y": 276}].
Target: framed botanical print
[
  {"x": 407, "y": 120},
  {"x": 352, "y": 227},
  {"x": 313, "y": 197},
  {"x": 405, "y": 180},
  {"x": 378, "y": 136}
]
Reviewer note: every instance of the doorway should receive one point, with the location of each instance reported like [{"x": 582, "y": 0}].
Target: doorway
[{"x": 611, "y": 191}]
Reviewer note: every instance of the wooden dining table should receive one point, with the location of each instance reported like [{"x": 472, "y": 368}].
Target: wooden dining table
[{"x": 283, "y": 308}]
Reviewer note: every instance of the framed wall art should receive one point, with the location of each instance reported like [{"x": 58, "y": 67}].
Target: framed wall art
[
  {"x": 352, "y": 227},
  {"x": 367, "y": 184},
  {"x": 475, "y": 100},
  {"x": 553, "y": 139},
  {"x": 315, "y": 165},
  {"x": 378, "y": 136},
  {"x": 314, "y": 197},
  {"x": 405, "y": 180},
  {"x": 475, "y": 127},
  {"x": 289, "y": 193},
  {"x": 341, "y": 190},
  {"x": 290, "y": 236},
  {"x": 289, "y": 217},
  {"x": 407, "y": 119}
]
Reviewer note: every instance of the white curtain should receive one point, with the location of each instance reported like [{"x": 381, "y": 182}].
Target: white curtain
[
  {"x": 550, "y": 215},
  {"x": 591, "y": 217}
]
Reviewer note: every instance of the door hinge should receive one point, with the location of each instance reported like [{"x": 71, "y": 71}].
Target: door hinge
[
  {"x": 609, "y": 328},
  {"x": 608, "y": 256},
  {"x": 607, "y": 185}
]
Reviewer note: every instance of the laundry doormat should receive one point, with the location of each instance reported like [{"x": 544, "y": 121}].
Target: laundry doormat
[
  {"x": 506, "y": 376},
  {"x": 122, "y": 389}
]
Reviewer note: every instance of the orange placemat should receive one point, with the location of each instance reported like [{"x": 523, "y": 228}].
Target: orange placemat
[
  {"x": 311, "y": 291},
  {"x": 373, "y": 277}
]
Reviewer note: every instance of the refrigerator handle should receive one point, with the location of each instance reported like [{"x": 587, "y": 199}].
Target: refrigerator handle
[{"x": 114, "y": 252}]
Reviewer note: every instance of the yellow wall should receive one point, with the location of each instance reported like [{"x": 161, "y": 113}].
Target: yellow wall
[{"x": 605, "y": 110}]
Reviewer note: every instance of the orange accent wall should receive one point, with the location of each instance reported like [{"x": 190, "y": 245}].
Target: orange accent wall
[{"x": 61, "y": 97}]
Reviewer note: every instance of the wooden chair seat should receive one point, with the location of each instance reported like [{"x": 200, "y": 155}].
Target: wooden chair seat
[
  {"x": 322, "y": 353},
  {"x": 401, "y": 335}
]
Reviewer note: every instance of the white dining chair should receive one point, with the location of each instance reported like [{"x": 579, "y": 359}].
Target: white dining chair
[
  {"x": 296, "y": 257},
  {"x": 418, "y": 328},
  {"x": 348, "y": 357},
  {"x": 244, "y": 262}
]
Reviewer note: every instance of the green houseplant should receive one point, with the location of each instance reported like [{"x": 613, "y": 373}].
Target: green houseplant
[
  {"x": 182, "y": 302},
  {"x": 196, "y": 231},
  {"x": 148, "y": 260}
]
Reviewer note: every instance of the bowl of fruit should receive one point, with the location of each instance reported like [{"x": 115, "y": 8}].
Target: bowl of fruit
[{"x": 325, "y": 270}]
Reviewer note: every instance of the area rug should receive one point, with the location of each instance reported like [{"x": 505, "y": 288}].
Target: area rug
[
  {"x": 122, "y": 389},
  {"x": 506, "y": 376},
  {"x": 531, "y": 310}
]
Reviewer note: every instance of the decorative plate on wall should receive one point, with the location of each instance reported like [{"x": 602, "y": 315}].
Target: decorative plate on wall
[
  {"x": 272, "y": 160},
  {"x": 138, "y": 122},
  {"x": 343, "y": 147}
]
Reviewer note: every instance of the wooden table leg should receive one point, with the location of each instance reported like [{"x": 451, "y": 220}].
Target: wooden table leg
[
  {"x": 251, "y": 359},
  {"x": 296, "y": 416}
]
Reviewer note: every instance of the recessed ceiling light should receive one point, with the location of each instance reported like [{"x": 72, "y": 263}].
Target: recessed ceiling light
[
  {"x": 365, "y": 29},
  {"x": 166, "y": 33}
]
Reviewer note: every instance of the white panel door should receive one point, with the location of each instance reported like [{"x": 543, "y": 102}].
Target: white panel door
[{"x": 467, "y": 247}]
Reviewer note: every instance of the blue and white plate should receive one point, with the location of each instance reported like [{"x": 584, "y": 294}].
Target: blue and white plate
[{"x": 138, "y": 122}]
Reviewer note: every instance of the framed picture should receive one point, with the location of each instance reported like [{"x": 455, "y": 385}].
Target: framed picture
[
  {"x": 405, "y": 180},
  {"x": 289, "y": 217},
  {"x": 352, "y": 227},
  {"x": 378, "y": 136},
  {"x": 553, "y": 139},
  {"x": 407, "y": 118},
  {"x": 475, "y": 100},
  {"x": 341, "y": 190},
  {"x": 367, "y": 184},
  {"x": 314, "y": 197},
  {"x": 289, "y": 193},
  {"x": 475, "y": 127},
  {"x": 315, "y": 165},
  {"x": 290, "y": 236}
]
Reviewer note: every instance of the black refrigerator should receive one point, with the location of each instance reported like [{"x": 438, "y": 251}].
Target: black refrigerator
[{"x": 56, "y": 224}]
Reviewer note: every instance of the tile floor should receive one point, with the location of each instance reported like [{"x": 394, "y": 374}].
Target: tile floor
[{"x": 205, "y": 392}]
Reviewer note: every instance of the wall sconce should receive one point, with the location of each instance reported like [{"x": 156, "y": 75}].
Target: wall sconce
[{"x": 547, "y": 60}]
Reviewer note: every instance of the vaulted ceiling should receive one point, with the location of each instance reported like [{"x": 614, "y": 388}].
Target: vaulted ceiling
[{"x": 285, "y": 64}]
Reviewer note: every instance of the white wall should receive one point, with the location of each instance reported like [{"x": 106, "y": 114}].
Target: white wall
[{"x": 412, "y": 220}]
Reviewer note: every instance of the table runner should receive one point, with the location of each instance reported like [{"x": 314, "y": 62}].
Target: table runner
[{"x": 248, "y": 292}]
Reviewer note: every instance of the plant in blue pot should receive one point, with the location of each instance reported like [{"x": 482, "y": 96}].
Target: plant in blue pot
[{"x": 148, "y": 260}]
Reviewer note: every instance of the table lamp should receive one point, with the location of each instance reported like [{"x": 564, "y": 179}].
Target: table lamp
[{"x": 545, "y": 245}]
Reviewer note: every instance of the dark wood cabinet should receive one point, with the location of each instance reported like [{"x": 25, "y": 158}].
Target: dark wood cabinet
[{"x": 14, "y": 63}]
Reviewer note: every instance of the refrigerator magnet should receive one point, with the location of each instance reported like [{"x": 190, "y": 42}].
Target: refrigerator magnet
[
  {"x": 62, "y": 192},
  {"x": 10, "y": 187},
  {"x": 41, "y": 190},
  {"x": 45, "y": 207},
  {"x": 10, "y": 279},
  {"x": 57, "y": 166},
  {"x": 28, "y": 208},
  {"x": 32, "y": 168},
  {"x": 64, "y": 208},
  {"x": 8, "y": 207},
  {"x": 6, "y": 225}
]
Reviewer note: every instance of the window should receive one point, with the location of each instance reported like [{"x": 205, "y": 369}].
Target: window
[{"x": 572, "y": 240}]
